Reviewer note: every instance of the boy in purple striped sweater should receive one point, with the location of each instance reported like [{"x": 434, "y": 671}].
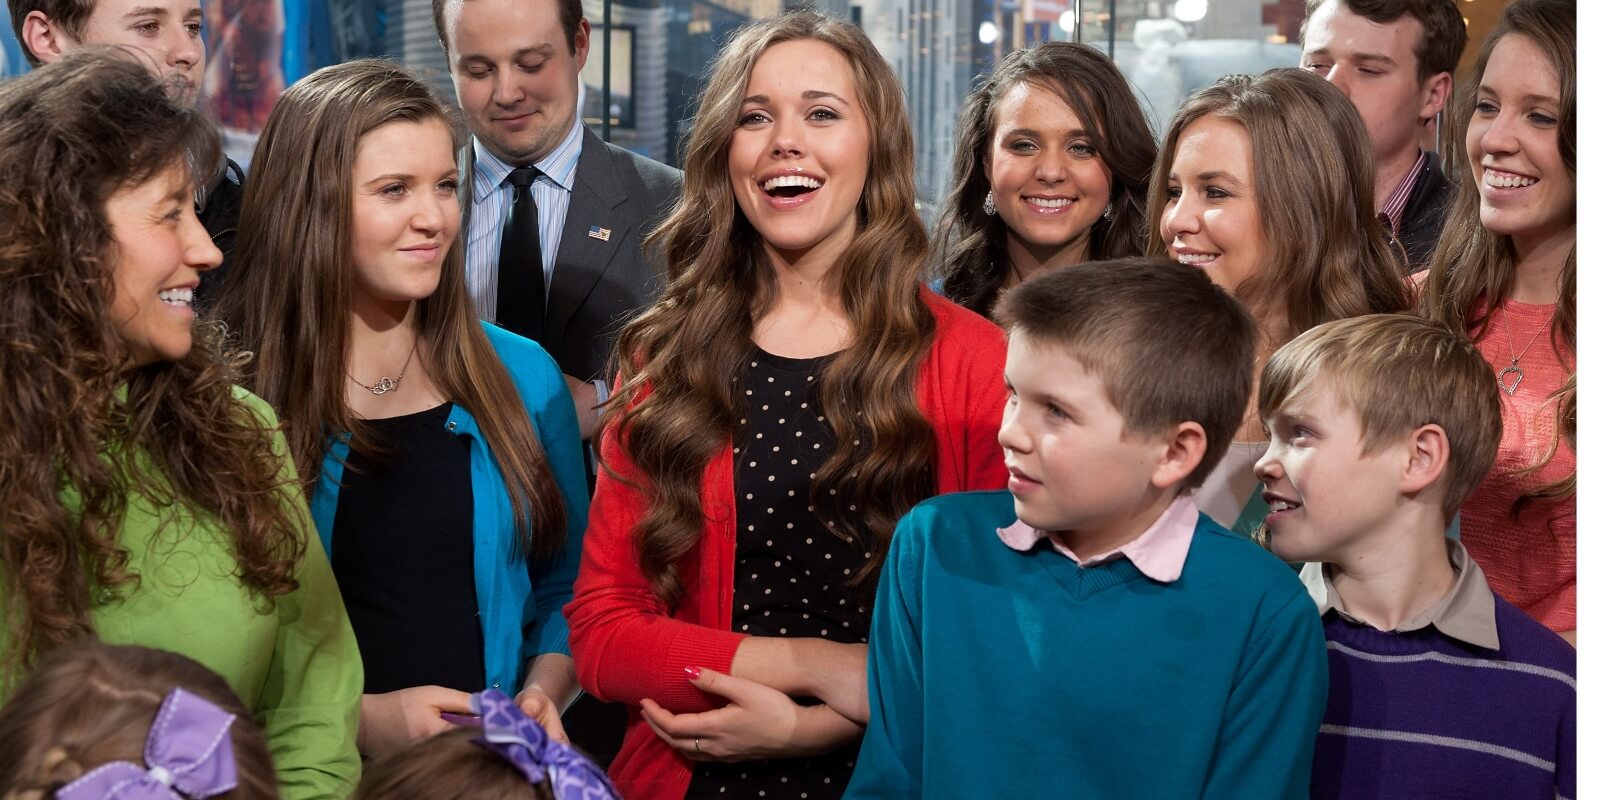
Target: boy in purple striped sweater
[{"x": 1437, "y": 687}]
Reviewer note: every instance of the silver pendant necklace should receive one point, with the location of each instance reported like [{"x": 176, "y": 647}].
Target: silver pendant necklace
[
  {"x": 386, "y": 384},
  {"x": 1515, "y": 370}
]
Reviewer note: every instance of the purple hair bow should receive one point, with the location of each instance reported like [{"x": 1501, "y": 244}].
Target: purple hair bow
[
  {"x": 520, "y": 740},
  {"x": 188, "y": 755}
]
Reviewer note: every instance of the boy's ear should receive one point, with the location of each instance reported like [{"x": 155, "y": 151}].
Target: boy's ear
[
  {"x": 1185, "y": 446},
  {"x": 1427, "y": 457},
  {"x": 43, "y": 38}
]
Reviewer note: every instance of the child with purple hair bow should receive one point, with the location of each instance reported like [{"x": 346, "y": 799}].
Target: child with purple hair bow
[{"x": 501, "y": 754}]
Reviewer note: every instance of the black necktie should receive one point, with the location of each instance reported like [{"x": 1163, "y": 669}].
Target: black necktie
[{"x": 519, "y": 307}]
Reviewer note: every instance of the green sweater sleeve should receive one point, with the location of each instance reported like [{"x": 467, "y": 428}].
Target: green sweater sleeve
[
  {"x": 1269, "y": 727},
  {"x": 890, "y": 763},
  {"x": 310, "y": 703}
]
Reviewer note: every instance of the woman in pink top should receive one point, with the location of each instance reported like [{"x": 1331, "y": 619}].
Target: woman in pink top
[{"x": 1505, "y": 273}]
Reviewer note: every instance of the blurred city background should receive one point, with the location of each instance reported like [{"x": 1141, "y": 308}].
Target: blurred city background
[{"x": 659, "y": 51}]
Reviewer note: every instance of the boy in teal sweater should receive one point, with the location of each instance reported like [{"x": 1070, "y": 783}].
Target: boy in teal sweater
[{"x": 1091, "y": 634}]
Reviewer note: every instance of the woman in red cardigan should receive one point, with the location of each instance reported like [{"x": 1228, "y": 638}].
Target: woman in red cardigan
[{"x": 794, "y": 391}]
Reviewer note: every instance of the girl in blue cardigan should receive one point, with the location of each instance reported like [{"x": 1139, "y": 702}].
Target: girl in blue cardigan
[{"x": 441, "y": 455}]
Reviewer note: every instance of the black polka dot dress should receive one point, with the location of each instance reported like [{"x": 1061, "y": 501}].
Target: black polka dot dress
[{"x": 792, "y": 577}]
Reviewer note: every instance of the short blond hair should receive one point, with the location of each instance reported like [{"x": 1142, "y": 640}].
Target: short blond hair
[{"x": 1398, "y": 373}]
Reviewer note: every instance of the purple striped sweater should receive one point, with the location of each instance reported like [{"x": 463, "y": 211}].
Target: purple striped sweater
[{"x": 1421, "y": 715}]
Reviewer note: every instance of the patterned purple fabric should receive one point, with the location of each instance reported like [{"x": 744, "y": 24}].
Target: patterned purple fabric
[
  {"x": 522, "y": 742},
  {"x": 188, "y": 755}
]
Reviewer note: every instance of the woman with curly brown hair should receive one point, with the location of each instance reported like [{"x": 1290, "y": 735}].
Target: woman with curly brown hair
[
  {"x": 1506, "y": 274},
  {"x": 1052, "y": 164},
  {"x": 144, "y": 499},
  {"x": 793, "y": 393}
]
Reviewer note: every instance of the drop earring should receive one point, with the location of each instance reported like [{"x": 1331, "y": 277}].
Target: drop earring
[
  {"x": 1106, "y": 214},
  {"x": 988, "y": 203}
]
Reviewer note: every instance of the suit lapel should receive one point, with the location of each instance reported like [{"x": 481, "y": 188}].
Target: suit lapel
[
  {"x": 597, "y": 200},
  {"x": 466, "y": 167}
]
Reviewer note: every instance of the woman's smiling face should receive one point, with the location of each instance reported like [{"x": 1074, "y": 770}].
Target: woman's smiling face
[
  {"x": 1524, "y": 188},
  {"x": 1212, "y": 220},
  {"x": 798, "y": 159}
]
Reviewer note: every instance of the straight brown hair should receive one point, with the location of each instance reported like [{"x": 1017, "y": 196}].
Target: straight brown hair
[
  {"x": 289, "y": 291},
  {"x": 449, "y": 766},
  {"x": 1326, "y": 255},
  {"x": 1473, "y": 267}
]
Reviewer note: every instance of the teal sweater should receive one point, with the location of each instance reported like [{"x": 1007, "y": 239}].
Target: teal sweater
[{"x": 994, "y": 673}]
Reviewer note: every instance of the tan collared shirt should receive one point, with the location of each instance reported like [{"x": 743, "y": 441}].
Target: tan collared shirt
[{"x": 1465, "y": 613}]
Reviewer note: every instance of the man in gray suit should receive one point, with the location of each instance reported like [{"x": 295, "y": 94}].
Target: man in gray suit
[{"x": 585, "y": 204}]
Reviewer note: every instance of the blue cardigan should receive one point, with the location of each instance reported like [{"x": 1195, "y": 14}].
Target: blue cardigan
[{"x": 520, "y": 620}]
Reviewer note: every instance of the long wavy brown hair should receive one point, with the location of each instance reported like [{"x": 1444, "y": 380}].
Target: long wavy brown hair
[
  {"x": 1473, "y": 269},
  {"x": 80, "y": 432},
  {"x": 290, "y": 289},
  {"x": 676, "y": 405},
  {"x": 1326, "y": 256},
  {"x": 970, "y": 252}
]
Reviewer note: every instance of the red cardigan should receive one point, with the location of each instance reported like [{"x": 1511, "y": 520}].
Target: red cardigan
[{"x": 629, "y": 646}]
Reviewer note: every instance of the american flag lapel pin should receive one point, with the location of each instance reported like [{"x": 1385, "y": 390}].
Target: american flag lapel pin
[{"x": 597, "y": 232}]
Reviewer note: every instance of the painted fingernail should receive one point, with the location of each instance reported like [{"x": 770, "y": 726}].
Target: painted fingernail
[{"x": 692, "y": 672}]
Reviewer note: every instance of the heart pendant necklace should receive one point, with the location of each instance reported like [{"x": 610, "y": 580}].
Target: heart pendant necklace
[{"x": 1514, "y": 372}]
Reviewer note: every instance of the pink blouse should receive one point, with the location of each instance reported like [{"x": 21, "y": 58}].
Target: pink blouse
[{"x": 1531, "y": 559}]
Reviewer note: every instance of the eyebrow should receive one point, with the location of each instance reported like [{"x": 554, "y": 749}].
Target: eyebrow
[
  {"x": 1536, "y": 98},
  {"x": 406, "y": 176},
  {"x": 1378, "y": 58},
  {"x": 1363, "y": 57},
  {"x": 1213, "y": 175},
  {"x": 1075, "y": 133},
  {"x": 541, "y": 50},
  {"x": 809, "y": 94},
  {"x": 148, "y": 11}
]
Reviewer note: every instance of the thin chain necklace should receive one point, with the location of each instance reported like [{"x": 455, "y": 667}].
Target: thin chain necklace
[
  {"x": 386, "y": 384},
  {"x": 1501, "y": 376}
]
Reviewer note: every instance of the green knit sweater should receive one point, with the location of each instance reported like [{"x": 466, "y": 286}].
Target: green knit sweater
[{"x": 297, "y": 667}]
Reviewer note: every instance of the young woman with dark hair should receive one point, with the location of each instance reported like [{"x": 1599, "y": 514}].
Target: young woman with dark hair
[
  {"x": 1505, "y": 274},
  {"x": 441, "y": 454},
  {"x": 794, "y": 392},
  {"x": 144, "y": 498},
  {"x": 1052, "y": 164}
]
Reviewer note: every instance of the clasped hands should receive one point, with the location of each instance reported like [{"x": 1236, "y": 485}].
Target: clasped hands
[{"x": 760, "y": 721}]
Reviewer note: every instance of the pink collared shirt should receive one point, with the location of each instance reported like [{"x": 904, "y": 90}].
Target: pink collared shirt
[{"x": 1159, "y": 552}]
